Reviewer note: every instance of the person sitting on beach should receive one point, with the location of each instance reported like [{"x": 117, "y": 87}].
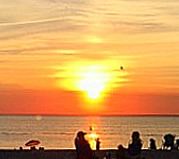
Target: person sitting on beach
[
  {"x": 169, "y": 141},
  {"x": 134, "y": 148},
  {"x": 83, "y": 148},
  {"x": 152, "y": 145},
  {"x": 176, "y": 144}
]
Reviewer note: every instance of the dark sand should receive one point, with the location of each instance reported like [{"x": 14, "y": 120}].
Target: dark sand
[{"x": 71, "y": 154}]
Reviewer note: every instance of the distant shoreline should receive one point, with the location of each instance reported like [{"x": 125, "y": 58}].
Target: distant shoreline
[{"x": 89, "y": 115}]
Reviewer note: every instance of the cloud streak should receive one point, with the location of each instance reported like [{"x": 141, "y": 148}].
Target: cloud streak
[{"x": 57, "y": 32}]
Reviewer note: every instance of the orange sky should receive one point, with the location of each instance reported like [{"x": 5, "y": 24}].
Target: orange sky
[{"x": 59, "y": 57}]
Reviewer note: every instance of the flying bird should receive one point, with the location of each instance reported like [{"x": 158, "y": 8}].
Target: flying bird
[{"x": 121, "y": 68}]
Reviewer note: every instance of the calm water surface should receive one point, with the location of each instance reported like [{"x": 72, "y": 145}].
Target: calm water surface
[{"x": 59, "y": 132}]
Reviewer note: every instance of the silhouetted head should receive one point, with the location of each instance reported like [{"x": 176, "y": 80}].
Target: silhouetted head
[
  {"x": 97, "y": 139},
  {"x": 135, "y": 135},
  {"x": 81, "y": 134},
  {"x": 152, "y": 140}
]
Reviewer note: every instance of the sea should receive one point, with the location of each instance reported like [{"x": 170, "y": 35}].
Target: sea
[{"x": 58, "y": 132}]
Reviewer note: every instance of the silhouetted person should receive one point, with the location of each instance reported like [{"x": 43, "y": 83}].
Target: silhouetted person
[
  {"x": 177, "y": 144},
  {"x": 152, "y": 145},
  {"x": 98, "y": 144},
  {"x": 134, "y": 148},
  {"x": 169, "y": 141},
  {"x": 121, "y": 152},
  {"x": 83, "y": 148}
]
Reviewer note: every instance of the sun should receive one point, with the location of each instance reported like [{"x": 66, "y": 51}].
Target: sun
[
  {"x": 93, "y": 79},
  {"x": 93, "y": 82}
]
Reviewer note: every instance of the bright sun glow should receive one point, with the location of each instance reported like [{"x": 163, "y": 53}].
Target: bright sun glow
[
  {"x": 93, "y": 82},
  {"x": 94, "y": 79}
]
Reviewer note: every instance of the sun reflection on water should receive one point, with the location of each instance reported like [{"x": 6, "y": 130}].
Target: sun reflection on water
[{"x": 92, "y": 137}]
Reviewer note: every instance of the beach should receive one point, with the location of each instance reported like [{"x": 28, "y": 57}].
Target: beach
[{"x": 71, "y": 154}]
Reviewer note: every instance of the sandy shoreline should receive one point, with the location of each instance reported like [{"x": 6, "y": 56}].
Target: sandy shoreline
[{"x": 71, "y": 154}]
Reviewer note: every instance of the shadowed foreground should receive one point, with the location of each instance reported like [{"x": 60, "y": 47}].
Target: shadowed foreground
[{"x": 71, "y": 154}]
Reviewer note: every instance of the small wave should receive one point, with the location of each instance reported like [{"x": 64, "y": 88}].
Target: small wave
[
  {"x": 57, "y": 133},
  {"x": 151, "y": 134},
  {"x": 14, "y": 133}
]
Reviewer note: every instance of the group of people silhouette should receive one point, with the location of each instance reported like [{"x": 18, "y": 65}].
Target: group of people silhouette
[
  {"x": 133, "y": 150},
  {"x": 84, "y": 150}
]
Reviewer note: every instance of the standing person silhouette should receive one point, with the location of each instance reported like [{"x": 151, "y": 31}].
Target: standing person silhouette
[
  {"x": 83, "y": 148},
  {"x": 98, "y": 142}
]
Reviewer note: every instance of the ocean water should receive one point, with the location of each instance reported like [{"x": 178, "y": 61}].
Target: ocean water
[{"x": 58, "y": 132}]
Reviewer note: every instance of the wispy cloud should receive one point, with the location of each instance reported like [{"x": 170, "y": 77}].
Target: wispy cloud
[{"x": 49, "y": 32}]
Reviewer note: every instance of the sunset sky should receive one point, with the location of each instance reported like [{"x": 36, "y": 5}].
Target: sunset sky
[{"x": 89, "y": 57}]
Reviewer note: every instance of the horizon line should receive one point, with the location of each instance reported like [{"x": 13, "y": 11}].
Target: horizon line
[{"x": 95, "y": 115}]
